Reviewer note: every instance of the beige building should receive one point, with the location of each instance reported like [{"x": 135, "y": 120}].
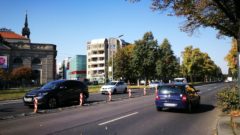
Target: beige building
[
  {"x": 99, "y": 53},
  {"x": 17, "y": 50}
]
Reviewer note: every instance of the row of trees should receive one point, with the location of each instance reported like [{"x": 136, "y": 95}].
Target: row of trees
[
  {"x": 17, "y": 77},
  {"x": 147, "y": 60}
]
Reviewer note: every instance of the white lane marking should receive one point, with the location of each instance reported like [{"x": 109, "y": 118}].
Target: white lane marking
[{"x": 125, "y": 116}]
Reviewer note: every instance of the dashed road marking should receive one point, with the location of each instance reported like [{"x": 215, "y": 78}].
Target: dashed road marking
[{"x": 122, "y": 117}]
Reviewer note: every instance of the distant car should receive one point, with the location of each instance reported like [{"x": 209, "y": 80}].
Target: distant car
[
  {"x": 56, "y": 93},
  {"x": 180, "y": 80},
  {"x": 155, "y": 84},
  {"x": 180, "y": 96},
  {"x": 114, "y": 87}
]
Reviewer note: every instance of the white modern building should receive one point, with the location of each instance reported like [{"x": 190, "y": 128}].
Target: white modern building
[{"x": 99, "y": 53}]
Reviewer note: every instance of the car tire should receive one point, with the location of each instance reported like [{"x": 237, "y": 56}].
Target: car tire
[
  {"x": 114, "y": 91},
  {"x": 125, "y": 90},
  {"x": 52, "y": 102},
  {"x": 159, "y": 109}
]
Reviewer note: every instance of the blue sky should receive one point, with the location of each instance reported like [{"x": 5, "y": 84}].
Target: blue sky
[{"x": 71, "y": 23}]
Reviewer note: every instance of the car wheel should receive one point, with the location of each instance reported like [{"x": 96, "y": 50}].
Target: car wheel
[
  {"x": 125, "y": 90},
  {"x": 159, "y": 108},
  {"x": 52, "y": 102},
  {"x": 114, "y": 91}
]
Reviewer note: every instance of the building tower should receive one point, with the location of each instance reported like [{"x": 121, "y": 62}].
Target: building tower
[{"x": 26, "y": 30}]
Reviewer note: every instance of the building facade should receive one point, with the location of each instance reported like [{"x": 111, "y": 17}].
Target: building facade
[
  {"x": 97, "y": 58},
  {"x": 100, "y": 54},
  {"x": 18, "y": 51},
  {"x": 77, "y": 67}
]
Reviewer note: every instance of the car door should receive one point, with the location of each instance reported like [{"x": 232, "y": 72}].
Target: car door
[
  {"x": 70, "y": 90},
  {"x": 62, "y": 92}
]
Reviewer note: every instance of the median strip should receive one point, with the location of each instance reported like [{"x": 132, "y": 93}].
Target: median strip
[{"x": 122, "y": 117}]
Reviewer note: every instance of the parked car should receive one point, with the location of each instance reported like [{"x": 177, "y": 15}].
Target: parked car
[
  {"x": 155, "y": 84},
  {"x": 56, "y": 93},
  {"x": 180, "y": 96},
  {"x": 114, "y": 87}
]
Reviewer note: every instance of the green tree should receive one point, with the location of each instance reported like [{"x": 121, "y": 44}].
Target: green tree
[
  {"x": 167, "y": 66},
  {"x": 223, "y": 15},
  {"x": 198, "y": 66},
  {"x": 144, "y": 56},
  {"x": 123, "y": 64},
  {"x": 192, "y": 62},
  {"x": 231, "y": 59}
]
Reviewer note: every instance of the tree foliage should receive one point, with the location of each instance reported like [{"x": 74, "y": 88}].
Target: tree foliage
[
  {"x": 122, "y": 63},
  {"x": 3, "y": 74},
  {"x": 167, "y": 66},
  {"x": 223, "y": 15},
  {"x": 144, "y": 56},
  {"x": 198, "y": 65},
  {"x": 231, "y": 59},
  {"x": 21, "y": 73}
]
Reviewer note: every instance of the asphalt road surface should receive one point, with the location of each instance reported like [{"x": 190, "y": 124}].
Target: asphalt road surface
[{"x": 134, "y": 116}]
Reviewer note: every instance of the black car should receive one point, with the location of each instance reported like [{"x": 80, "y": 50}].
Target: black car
[{"x": 57, "y": 93}]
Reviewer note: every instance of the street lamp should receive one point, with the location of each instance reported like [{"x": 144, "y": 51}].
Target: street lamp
[{"x": 112, "y": 50}]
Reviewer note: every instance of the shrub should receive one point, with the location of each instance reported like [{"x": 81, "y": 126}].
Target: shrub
[{"x": 228, "y": 99}]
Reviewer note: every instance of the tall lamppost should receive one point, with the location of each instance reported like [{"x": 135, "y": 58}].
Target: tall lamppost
[{"x": 112, "y": 51}]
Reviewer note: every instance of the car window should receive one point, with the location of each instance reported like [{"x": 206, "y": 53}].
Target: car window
[
  {"x": 171, "y": 89},
  {"x": 111, "y": 83},
  {"x": 120, "y": 83},
  {"x": 50, "y": 85}
]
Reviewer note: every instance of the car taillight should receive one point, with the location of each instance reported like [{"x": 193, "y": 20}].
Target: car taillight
[{"x": 184, "y": 98}]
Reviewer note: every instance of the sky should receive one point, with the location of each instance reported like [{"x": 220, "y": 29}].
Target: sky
[{"x": 70, "y": 24}]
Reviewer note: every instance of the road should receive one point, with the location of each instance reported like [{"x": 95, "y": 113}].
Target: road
[
  {"x": 16, "y": 107},
  {"x": 123, "y": 117}
]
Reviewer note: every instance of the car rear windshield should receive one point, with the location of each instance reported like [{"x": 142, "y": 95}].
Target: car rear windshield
[{"x": 171, "y": 89}]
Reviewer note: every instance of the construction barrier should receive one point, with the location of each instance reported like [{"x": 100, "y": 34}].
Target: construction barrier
[
  {"x": 35, "y": 105},
  {"x": 81, "y": 99},
  {"x": 129, "y": 93},
  {"x": 109, "y": 96},
  {"x": 156, "y": 89},
  {"x": 144, "y": 92}
]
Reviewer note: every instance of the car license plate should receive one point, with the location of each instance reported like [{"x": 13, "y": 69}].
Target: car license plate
[
  {"x": 170, "y": 104},
  {"x": 27, "y": 99}
]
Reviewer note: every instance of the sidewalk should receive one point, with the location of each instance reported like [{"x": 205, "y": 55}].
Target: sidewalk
[{"x": 228, "y": 126}]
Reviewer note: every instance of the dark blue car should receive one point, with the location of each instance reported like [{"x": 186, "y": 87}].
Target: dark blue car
[
  {"x": 56, "y": 93},
  {"x": 179, "y": 96}
]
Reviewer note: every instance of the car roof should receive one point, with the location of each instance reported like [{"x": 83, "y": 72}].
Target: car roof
[{"x": 174, "y": 84}]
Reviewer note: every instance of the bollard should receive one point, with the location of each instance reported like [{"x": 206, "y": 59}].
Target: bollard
[
  {"x": 109, "y": 96},
  {"x": 35, "y": 104},
  {"x": 81, "y": 99},
  {"x": 129, "y": 93},
  {"x": 156, "y": 88},
  {"x": 144, "y": 92}
]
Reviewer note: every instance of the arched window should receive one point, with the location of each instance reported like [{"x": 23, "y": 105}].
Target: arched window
[
  {"x": 17, "y": 61},
  {"x": 36, "y": 61}
]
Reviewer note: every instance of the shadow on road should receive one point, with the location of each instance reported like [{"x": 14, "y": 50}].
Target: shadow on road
[{"x": 202, "y": 109}]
